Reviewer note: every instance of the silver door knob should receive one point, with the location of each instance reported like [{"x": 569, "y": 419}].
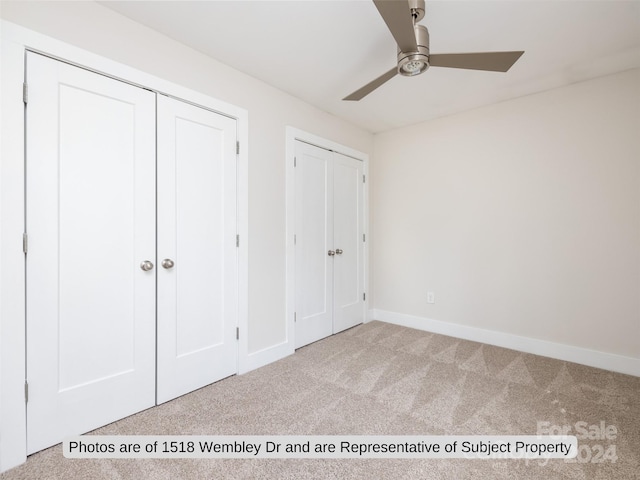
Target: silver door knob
[
  {"x": 167, "y": 263},
  {"x": 146, "y": 265},
  {"x": 331, "y": 253},
  {"x": 338, "y": 251}
]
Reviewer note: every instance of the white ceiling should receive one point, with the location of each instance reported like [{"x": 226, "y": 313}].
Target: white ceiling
[{"x": 322, "y": 50}]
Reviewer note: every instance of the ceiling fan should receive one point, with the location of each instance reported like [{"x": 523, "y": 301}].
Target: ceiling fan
[{"x": 401, "y": 16}]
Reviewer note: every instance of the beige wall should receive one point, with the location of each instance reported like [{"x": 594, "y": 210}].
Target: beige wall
[
  {"x": 523, "y": 217},
  {"x": 99, "y": 30}
]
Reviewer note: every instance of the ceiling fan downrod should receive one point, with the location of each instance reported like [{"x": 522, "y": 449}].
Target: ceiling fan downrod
[{"x": 417, "y": 9}]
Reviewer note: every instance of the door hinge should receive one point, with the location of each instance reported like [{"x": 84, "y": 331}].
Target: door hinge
[
  {"x": 295, "y": 239},
  {"x": 26, "y": 391},
  {"x": 237, "y": 240},
  {"x": 237, "y": 148},
  {"x": 364, "y": 178},
  {"x": 295, "y": 317},
  {"x": 25, "y": 92},
  {"x": 295, "y": 162},
  {"x": 237, "y": 333},
  {"x": 364, "y": 237},
  {"x": 25, "y": 243},
  {"x": 364, "y": 296}
]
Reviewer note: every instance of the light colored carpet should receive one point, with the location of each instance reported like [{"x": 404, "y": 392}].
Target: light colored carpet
[{"x": 382, "y": 379}]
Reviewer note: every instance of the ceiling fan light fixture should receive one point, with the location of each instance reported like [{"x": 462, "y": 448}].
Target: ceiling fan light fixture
[{"x": 413, "y": 65}]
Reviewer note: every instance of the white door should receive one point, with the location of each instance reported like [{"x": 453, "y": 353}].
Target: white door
[
  {"x": 314, "y": 234},
  {"x": 197, "y": 271},
  {"x": 91, "y": 222},
  {"x": 329, "y": 243},
  {"x": 348, "y": 262}
]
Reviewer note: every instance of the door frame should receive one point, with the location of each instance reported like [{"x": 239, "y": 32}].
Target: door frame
[
  {"x": 293, "y": 135},
  {"x": 14, "y": 42}
]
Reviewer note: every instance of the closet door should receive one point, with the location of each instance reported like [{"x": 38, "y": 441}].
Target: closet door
[
  {"x": 314, "y": 243},
  {"x": 329, "y": 244},
  {"x": 197, "y": 254},
  {"x": 91, "y": 223},
  {"x": 348, "y": 263}
]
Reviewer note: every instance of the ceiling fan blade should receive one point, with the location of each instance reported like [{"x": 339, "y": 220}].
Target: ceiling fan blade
[
  {"x": 397, "y": 16},
  {"x": 371, "y": 86},
  {"x": 491, "y": 61}
]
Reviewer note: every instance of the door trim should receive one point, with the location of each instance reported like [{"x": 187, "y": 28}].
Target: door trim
[
  {"x": 14, "y": 43},
  {"x": 293, "y": 135}
]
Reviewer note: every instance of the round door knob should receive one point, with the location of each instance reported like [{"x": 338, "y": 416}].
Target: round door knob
[
  {"x": 331, "y": 253},
  {"x": 167, "y": 263},
  {"x": 146, "y": 265},
  {"x": 338, "y": 251}
]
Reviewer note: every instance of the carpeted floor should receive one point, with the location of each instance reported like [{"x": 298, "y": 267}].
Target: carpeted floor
[{"x": 382, "y": 379}]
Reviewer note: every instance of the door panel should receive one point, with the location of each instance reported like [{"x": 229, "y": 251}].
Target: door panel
[
  {"x": 91, "y": 221},
  {"x": 347, "y": 238},
  {"x": 197, "y": 296},
  {"x": 314, "y": 231}
]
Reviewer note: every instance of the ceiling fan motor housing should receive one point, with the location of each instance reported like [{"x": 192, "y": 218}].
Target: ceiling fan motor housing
[{"x": 417, "y": 62}]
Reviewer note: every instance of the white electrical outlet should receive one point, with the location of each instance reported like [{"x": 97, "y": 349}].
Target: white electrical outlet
[{"x": 431, "y": 297}]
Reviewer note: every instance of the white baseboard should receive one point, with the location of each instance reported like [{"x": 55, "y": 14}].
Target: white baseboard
[
  {"x": 266, "y": 356},
  {"x": 569, "y": 353}
]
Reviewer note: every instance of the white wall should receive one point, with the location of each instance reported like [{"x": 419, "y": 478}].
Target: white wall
[
  {"x": 95, "y": 29},
  {"x": 523, "y": 217}
]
